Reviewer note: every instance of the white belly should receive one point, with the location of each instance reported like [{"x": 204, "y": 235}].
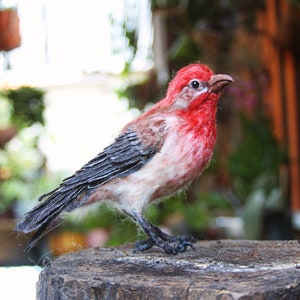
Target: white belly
[{"x": 180, "y": 160}]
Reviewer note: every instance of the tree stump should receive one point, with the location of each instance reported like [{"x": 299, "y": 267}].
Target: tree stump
[{"x": 216, "y": 270}]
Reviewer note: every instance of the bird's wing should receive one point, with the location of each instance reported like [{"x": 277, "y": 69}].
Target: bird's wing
[{"x": 127, "y": 154}]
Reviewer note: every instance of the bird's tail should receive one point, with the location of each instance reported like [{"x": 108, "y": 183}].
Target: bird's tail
[{"x": 41, "y": 216}]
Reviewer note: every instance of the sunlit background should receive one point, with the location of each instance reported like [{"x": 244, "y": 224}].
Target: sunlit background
[
  {"x": 73, "y": 51},
  {"x": 72, "y": 73}
]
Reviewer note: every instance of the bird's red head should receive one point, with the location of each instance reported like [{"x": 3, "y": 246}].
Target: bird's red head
[
  {"x": 184, "y": 75},
  {"x": 195, "y": 81}
]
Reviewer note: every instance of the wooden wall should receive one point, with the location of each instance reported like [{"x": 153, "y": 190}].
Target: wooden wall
[{"x": 279, "y": 25}]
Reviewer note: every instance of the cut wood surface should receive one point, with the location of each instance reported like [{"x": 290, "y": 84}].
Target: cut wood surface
[{"x": 223, "y": 269}]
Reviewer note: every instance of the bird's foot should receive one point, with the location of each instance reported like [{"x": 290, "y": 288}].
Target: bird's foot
[{"x": 170, "y": 244}]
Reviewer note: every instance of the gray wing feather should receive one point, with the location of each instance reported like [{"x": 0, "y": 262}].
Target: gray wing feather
[{"x": 126, "y": 155}]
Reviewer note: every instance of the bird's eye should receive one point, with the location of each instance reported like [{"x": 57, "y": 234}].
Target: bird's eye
[{"x": 195, "y": 84}]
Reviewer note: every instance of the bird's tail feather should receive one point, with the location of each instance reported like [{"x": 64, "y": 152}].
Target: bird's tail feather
[{"x": 40, "y": 217}]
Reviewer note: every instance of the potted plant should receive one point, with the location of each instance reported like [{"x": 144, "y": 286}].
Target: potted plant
[{"x": 10, "y": 37}]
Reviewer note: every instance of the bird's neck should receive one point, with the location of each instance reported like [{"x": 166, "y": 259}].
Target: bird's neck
[{"x": 201, "y": 116}]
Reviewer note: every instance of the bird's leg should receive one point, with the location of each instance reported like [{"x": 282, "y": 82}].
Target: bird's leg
[
  {"x": 143, "y": 245},
  {"x": 170, "y": 244}
]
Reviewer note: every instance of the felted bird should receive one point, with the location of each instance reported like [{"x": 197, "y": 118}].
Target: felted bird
[{"x": 157, "y": 154}]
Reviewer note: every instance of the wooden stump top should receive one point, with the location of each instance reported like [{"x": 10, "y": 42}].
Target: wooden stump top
[{"x": 216, "y": 270}]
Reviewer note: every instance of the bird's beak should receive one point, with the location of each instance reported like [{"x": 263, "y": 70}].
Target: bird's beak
[{"x": 217, "y": 82}]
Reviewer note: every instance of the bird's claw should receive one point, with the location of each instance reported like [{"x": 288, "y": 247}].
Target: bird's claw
[
  {"x": 143, "y": 245},
  {"x": 183, "y": 242},
  {"x": 170, "y": 244}
]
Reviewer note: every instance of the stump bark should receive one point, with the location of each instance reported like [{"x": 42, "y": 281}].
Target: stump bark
[{"x": 216, "y": 270}]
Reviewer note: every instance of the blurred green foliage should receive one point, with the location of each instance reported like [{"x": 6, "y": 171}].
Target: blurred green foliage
[
  {"x": 27, "y": 104},
  {"x": 257, "y": 153},
  {"x": 22, "y": 164},
  {"x": 256, "y": 163}
]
